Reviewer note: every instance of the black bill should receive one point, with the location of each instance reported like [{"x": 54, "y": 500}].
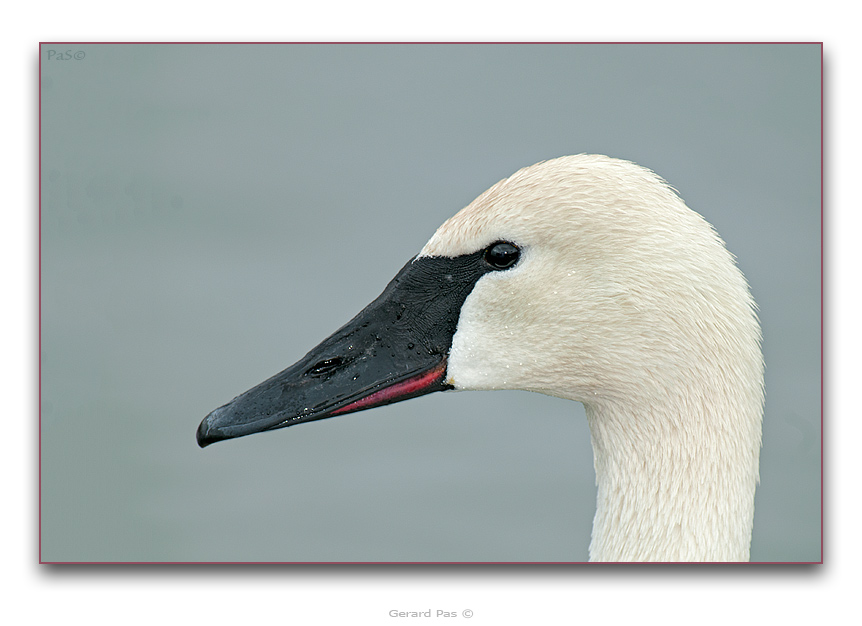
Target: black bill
[{"x": 393, "y": 350}]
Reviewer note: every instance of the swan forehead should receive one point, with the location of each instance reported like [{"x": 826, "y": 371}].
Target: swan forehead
[{"x": 556, "y": 200}]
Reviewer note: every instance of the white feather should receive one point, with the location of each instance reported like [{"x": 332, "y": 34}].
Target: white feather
[{"x": 628, "y": 301}]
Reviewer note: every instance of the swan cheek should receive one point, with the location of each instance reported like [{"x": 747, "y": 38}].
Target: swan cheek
[{"x": 477, "y": 358}]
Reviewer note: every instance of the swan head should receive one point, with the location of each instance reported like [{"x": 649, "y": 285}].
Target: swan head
[
  {"x": 621, "y": 294},
  {"x": 607, "y": 290}
]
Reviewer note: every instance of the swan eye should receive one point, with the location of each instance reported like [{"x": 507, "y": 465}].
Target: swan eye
[{"x": 502, "y": 255}]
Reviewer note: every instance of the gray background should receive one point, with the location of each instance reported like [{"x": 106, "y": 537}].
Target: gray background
[{"x": 210, "y": 212}]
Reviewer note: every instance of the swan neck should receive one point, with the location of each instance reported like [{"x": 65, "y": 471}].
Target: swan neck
[{"x": 674, "y": 483}]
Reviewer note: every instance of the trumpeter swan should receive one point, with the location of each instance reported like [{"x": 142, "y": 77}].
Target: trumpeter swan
[{"x": 583, "y": 277}]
